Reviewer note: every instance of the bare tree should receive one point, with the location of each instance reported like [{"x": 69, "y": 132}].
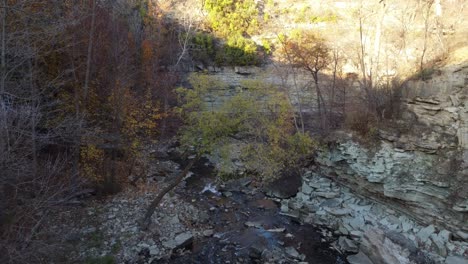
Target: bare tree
[{"x": 312, "y": 54}]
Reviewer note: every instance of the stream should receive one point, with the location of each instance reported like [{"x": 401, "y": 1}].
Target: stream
[{"x": 247, "y": 226}]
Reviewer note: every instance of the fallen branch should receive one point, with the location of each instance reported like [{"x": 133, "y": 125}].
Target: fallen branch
[{"x": 146, "y": 220}]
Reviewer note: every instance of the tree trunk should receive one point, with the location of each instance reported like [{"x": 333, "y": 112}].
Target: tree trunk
[
  {"x": 146, "y": 220},
  {"x": 3, "y": 55},
  {"x": 90, "y": 50}
]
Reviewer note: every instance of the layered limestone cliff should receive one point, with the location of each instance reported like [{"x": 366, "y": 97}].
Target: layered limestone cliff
[{"x": 419, "y": 167}]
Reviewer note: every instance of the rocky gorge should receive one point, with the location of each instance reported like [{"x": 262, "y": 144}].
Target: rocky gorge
[
  {"x": 400, "y": 196},
  {"x": 407, "y": 189}
]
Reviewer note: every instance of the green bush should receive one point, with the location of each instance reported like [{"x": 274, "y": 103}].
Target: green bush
[
  {"x": 203, "y": 47},
  {"x": 229, "y": 17},
  {"x": 238, "y": 51}
]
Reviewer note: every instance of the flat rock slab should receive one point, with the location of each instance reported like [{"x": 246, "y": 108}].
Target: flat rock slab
[
  {"x": 180, "y": 241},
  {"x": 359, "y": 258},
  {"x": 456, "y": 260}
]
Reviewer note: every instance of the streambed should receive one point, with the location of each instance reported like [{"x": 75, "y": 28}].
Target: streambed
[{"x": 247, "y": 227}]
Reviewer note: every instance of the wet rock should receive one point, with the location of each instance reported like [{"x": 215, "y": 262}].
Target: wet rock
[{"x": 359, "y": 258}]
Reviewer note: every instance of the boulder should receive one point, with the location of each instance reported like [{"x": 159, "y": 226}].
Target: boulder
[
  {"x": 424, "y": 234},
  {"x": 383, "y": 250},
  {"x": 181, "y": 240}
]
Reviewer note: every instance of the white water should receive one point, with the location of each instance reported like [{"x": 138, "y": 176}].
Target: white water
[{"x": 210, "y": 188}]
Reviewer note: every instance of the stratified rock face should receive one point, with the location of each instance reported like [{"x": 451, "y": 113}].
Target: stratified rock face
[{"x": 421, "y": 166}]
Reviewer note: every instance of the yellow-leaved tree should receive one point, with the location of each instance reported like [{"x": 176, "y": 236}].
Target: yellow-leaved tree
[{"x": 258, "y": 114}]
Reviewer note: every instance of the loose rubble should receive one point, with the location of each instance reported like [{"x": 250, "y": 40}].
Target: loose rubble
[{"x": 377, "y": 233}]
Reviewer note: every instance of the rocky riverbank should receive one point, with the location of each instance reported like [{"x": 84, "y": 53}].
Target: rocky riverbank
[
  {"x": 201, "y": 221},
  {"x": 378, "y": 233}
]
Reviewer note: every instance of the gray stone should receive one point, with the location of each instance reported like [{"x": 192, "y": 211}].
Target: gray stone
[
  {"x": 357, "y": 222},
  {"x": 338, "y": 212},
  {"x": 183, "y": 239},
  {"x": 327, "y": 195},
  {"x": 291, "y": 213},
  {"x": 302, "y": 197},
  {"x": 306, "y": 188},
  {"x": 315, "y": 185},
  {"x": 445, "y": 235},
  {"x": 407, "y": 226},
  {"x": 312, "y": 207},
  {"x": 292, "y": 252},
  {"x": 359, "y": 258},
  {"x": 425, "y": 233},
  {"x": 462, "y": 235},
  {"x": 439, "y": 244},
  {"x": 383, "y": 250},
  {"x": 208, "y": 232},
  {"x": 154, "y": 250},
  {"x": 180, "y": 241},
  {"x": 174, "y": 220},
  {"x": 347, "y": 245},
  {"x": 456, "y": 260},
  {"x": 331, "y": 202},
  {"x": 342, "y": 230},
  {"x": 284, "y": 206},
  {"x": 253, "y": 224},
  {"x": 356, "y": 234}
]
